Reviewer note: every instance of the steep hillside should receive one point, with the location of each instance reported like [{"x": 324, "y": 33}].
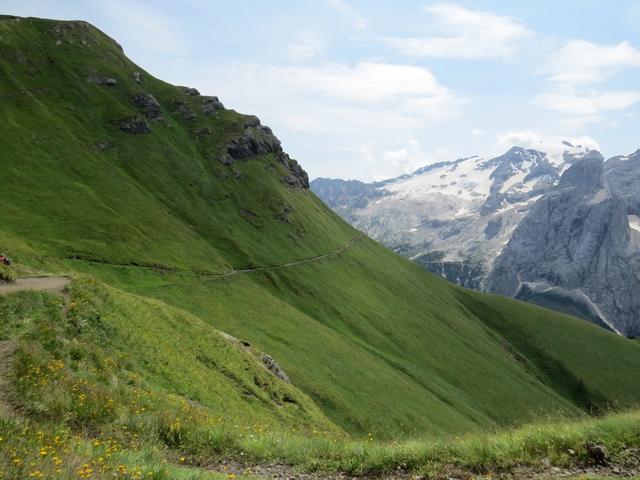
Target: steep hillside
[{"x": 192, "y": 219}]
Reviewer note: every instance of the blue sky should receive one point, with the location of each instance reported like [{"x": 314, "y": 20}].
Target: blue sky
[{"x": 373, "y": 89}]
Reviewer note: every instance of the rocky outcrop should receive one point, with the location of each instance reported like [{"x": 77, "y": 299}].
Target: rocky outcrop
[
  {"x": 100, "y": 80},
  {"x": 190, "y": 91},
  {"x": 211, "y": 105},
  {"x": 273, "y": 366},
  {"x": 506, "y": 166},
  {"x": 134, "y": 125},
  {"x": 465, "y": 273},
  {"x": 257, "y": 140},
  {"x": 575, "y": 250},
  {"x": 338, "y": 194},
  {"x": 148, "y": 105},
  {"x": 267, "y": 361},
  {"x": 182, "y": 108}
]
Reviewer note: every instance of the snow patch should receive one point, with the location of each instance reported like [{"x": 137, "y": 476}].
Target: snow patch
[
  {"x": 600, "y": 196},
  {"x": 514, "y": 180},
  {"x": 575, "y": 294},
  {"x": 634, "y": 222}
]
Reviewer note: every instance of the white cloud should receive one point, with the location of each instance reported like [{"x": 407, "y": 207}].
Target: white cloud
[
  {"x": 345, "y": 118},
  {"x": 467, "y": 34},
  {"x": 309, "y": 46},
  {"x": 343, "y": 8},
  {"x": 477, "y": 132},
  {"x": 554, "y": 146},
  {"x": 581, "y": 62},
  {"x": 576, "y": 70},
  {"x": 590, "y": 104},
  {"x": 407, "y": 158},
  {"x": 411, "y": 89}
]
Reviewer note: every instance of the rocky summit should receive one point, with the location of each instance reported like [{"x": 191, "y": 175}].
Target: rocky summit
[
  {"x": 555, "y": 225},
  {"x": 578, "y": 249}
]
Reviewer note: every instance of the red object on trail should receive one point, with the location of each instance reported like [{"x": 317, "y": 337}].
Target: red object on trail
[{"x": 5, "y": 260}]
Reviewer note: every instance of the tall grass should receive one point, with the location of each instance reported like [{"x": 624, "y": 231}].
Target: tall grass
[
  {"x": 6, "y": 275},
  {"x": 562, "y": 443}
]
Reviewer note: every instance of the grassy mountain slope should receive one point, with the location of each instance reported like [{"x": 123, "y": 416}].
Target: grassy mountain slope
[
  {"x": 122, "y": 353},
  {"x": 376, "y": 342}
]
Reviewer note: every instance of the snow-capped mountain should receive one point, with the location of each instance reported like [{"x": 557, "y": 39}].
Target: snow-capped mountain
[
  {"x": 578, "y": 249},
  {"x": 453, "y": 217},
  {"x": 559, "y": 227}
]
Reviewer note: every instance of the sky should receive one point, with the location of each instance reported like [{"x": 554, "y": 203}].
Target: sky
[{"x": 372, "y": 89}]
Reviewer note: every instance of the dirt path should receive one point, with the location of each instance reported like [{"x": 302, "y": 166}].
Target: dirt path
[
  {"x": 446, "y": 472},
  {"x": 228, "y": 273},
  {"x": 43, "y": 284},
  {"x": 288, "y": 264}
]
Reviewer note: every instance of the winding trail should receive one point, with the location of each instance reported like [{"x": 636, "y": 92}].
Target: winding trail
[
  {"x": 288, "y": 264},
  {"x": 42, "y": 284},
  {"x": 228, "y": 273},
  {"x": 58, "y": 284}
]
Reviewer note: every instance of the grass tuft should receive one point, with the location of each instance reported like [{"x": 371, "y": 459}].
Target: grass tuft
[{"x": 6, "y": 274}]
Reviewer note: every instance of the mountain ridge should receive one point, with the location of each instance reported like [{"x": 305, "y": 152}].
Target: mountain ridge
[{"x": 457, "y": 218}]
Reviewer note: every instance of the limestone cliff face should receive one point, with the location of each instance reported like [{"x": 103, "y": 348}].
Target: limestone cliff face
[{"x": 575, "y": 250}]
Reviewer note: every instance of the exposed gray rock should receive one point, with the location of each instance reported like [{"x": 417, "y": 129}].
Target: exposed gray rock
[
  {"x": 256, "y": 140},
  {"x": 343, "y": 195},
  {"x": 190, "y": 91},
  {"x": 493, "y": 227},
  {"x": 267, "y": 360},
  {"x": 259, "y": 140},
  {"x": 298, "y": 177},
  {"x": 104, "y": 145},
  {"x": 211, "y": 105},
  {"x": 506, "y": 166},
  {"x": 273, "y": 367},
  {"x": 99, "y": 80},
  {"x": 597, "y": 454},
  {"x": 148, "y": 104},
  {"x": 182, "y": 108},
  {"x": 137, "y": 76},
  {"x": 134, "y": 125},
  {"x": 202, "y": 131},
  {"x": 226, "y": 159},
  {"x": 585, "y": 175},
  {"x": 466, "y": 273},
  {"x": 575, "y": 249}
]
